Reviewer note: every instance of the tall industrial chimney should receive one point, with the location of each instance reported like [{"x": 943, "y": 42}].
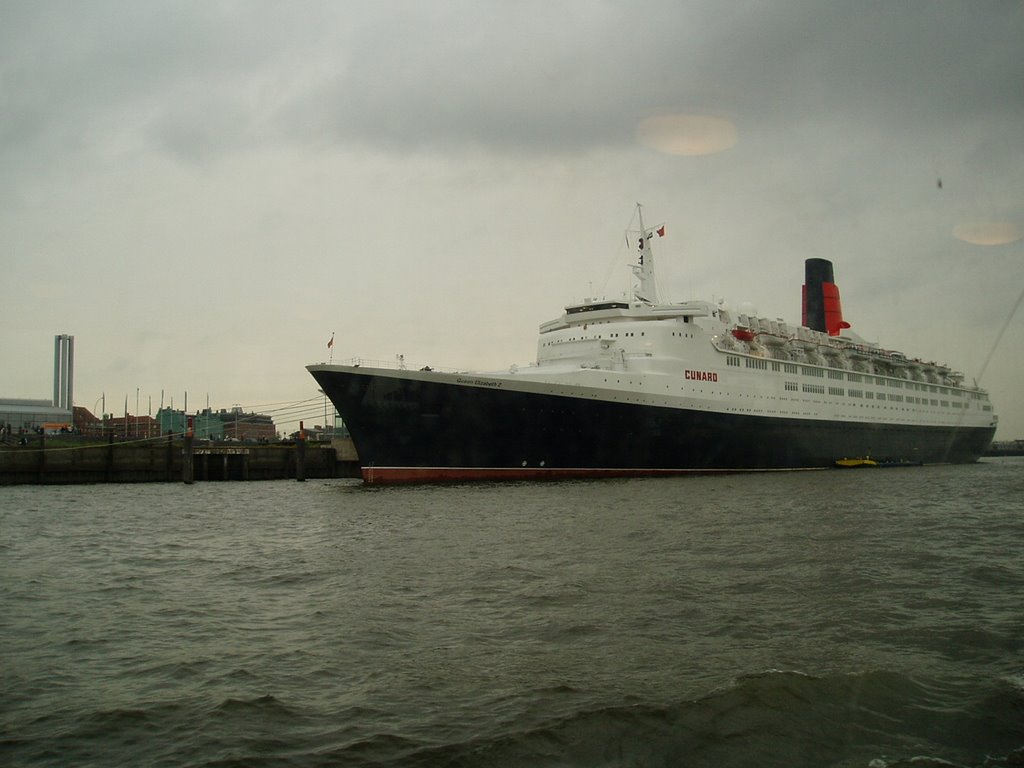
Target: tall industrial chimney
[{"x": 63, "y": 371}]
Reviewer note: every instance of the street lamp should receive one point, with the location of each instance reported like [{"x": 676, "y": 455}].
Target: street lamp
[{"x": 102, "y": 397}]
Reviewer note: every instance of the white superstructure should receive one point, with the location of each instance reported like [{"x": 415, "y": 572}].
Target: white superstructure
[{"x": 697, "y": 354}]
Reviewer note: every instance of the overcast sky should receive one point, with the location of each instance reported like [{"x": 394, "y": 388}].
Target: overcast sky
[{"x": 203, "y": 192}]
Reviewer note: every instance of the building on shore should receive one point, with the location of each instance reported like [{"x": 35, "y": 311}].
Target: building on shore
[
  {"x": 20, "y": 415},
  {"x": 129, "y": 426},
  {"x": 233, "y": 424},
  {"x": 205, "y": 425},
  {"x": 86, "y": 422},
  {"x": 246, "y": 427},
  {"x": 1006, "y": 448}
]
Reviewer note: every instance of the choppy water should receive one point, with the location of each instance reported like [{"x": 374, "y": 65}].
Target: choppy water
[{"x": 862, "y": 618}]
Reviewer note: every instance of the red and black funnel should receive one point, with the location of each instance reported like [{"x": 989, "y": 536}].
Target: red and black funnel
[{"x": 822, "y": 310}]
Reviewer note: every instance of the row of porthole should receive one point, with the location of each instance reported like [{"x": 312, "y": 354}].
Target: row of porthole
[
  {"x": 820, "y": 402},
  {"x": 701, "y": 391},
  {"x": 936, "y": 404},
  {"x": 598, "y": 337},
  {"x": 743, "y": 394},
  {"x": 866, "y": 377},
  {"x": 640, "y": 383},
  {"x": 751, "y": 410}
]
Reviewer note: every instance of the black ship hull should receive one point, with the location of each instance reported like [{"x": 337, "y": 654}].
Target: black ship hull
[{"x": 417, "y": 429}]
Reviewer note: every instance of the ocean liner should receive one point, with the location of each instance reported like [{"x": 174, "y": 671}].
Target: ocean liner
[{"x": 640, "y": 387}]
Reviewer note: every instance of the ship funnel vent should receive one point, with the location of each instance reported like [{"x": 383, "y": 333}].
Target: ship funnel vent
[{"x": 822, "y": 310}]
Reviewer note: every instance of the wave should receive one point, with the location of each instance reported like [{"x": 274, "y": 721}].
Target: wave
[
  {"x": 265, "y": 707},
  {"x": 776, "y": 718},
  {"x": 875, "y": 719}
]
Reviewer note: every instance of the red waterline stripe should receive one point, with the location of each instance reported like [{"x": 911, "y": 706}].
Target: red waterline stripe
[{"x": 398, "y": 475}]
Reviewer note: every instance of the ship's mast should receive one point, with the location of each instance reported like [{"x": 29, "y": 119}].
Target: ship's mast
[{"x": 646, "y": 289}]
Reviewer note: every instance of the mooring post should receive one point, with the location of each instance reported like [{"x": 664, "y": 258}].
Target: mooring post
[
  {"x": 110, "y": 454},
  {"x": 300, "y": 455},
  {"x": 187, "y": 470},
  {"x": 42, "y": 456}
]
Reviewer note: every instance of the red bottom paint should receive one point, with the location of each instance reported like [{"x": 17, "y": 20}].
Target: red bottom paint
[{"x": 399, "y": 475}]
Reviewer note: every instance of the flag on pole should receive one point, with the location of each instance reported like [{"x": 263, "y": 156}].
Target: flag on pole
[
  {"x": 661, "y": 231},
  {"x": 331, "y": 342}
]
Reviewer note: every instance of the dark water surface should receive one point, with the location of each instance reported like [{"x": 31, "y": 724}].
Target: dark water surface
[{"x": 839, "y": 618}]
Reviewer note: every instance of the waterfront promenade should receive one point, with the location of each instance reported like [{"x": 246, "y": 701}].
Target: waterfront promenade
[{"x": 68, "y": 459}]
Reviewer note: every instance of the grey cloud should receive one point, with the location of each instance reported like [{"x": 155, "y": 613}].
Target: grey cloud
[
  {"x": 197, "y": 79},
  {"x": 182, "y": 76},
  {"x": 555, "y": 79}
]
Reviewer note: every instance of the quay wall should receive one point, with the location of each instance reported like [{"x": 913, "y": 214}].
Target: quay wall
[{"x": 63, "y": 460}]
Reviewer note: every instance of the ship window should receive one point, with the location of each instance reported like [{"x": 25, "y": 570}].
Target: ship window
[
  {"x": 836, "y": 391},
  {"x": 791, "y": 386},
  {"x": 776, "y": 367},
  {"x": 596, "y": 307}
]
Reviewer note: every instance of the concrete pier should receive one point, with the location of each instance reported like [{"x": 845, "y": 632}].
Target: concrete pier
[{"x": 67, "y": 459}]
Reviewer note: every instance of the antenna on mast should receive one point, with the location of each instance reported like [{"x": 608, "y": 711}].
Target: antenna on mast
[{"x": 646, "y": 289}]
